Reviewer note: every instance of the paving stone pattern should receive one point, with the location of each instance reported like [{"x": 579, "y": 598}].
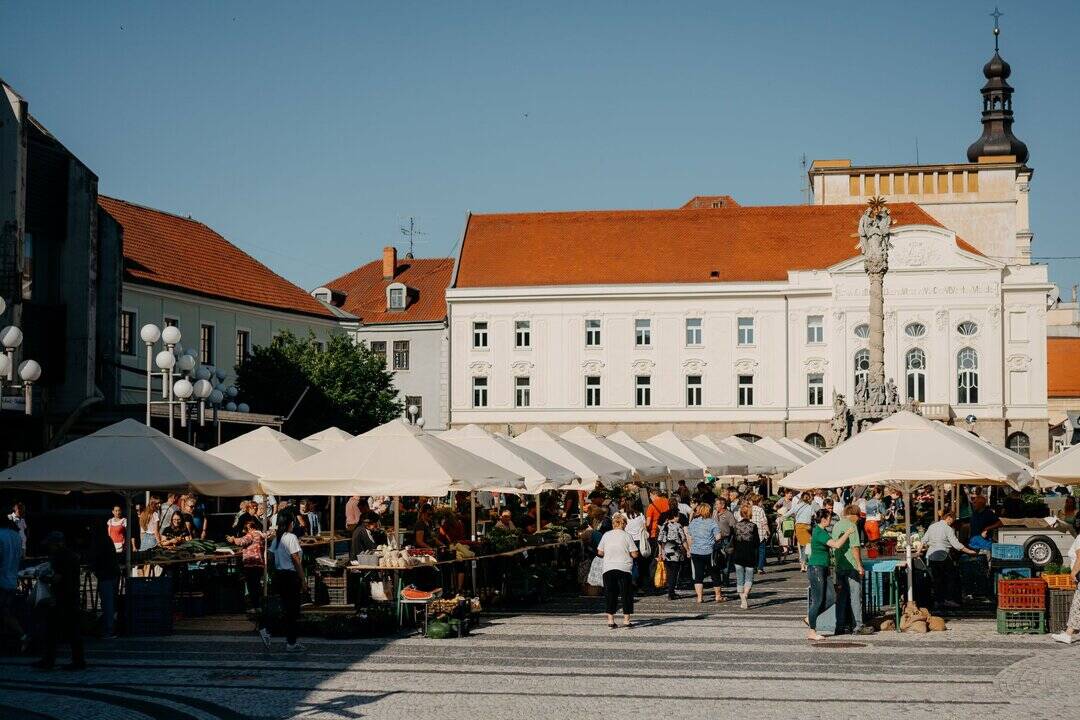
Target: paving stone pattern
[{"x": 561, "y": 661}]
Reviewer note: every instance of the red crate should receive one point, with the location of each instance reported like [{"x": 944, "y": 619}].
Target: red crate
[{"x": 1024, "y": 594}]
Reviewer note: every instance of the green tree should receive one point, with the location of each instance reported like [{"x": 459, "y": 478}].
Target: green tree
[{"x": 350, "y": 386}]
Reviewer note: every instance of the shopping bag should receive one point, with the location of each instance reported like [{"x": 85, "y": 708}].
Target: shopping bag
[
  {"x": 660, "y": 578},
  {"x": 644, "y": 546},
  {"x": 596, "y": 572},
  {"x": 378, "y": 591}
]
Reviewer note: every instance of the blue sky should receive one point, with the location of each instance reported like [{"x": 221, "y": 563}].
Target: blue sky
[{"x": 308, "y": 133}]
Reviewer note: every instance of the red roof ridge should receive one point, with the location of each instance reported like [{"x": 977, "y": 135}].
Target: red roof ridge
[{"x": 364, "y": 288}]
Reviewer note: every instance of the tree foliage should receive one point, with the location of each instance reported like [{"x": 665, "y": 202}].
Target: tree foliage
[{"x": 350, "y": 386}]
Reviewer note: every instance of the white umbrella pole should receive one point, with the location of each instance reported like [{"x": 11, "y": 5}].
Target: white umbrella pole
[
  {"x": 129, "y": 538},
  {"x": 538, "y": 512},
  {"x": 332, "y": 536},
  {"x": 907, "y": 521},
  {"x": 472, "y": 512},
  {"x": 397, "y": 510}
]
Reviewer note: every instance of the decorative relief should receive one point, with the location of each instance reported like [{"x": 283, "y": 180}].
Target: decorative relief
[
  {"x": 642, "y": 365},
  {"x": 815, "y": 365},
  {"x": 941, "y": 319},
  {"x": 1018, "y": 362},
  {"x": 917, "y": 252},
  {"x": 745, "y": 365},
  {"x": 747, "y": 312},
  {"x": 994, "y": 313},
  {"x": 694, "y": 366},
  {"x": 521, "y": 367},
  {"x": 522, "y": 316},
  {"x": 991, "y": 289},
  {"x": 592, "y": 367},
  {"x": 890, "y": 321},
  {"x": 480, "y": 367},
  {"x": 838, "y": 322}
]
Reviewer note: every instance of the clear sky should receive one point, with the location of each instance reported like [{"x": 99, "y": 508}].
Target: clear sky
[{"x": 308, "y": 133}]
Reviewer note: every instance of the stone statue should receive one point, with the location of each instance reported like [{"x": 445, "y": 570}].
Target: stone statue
[
  {"x": 874, "y": 237},
  {"x": 839, "y": 420},
  {"x": 892, "y": 395},
  {"x": 861, "y": 391}
]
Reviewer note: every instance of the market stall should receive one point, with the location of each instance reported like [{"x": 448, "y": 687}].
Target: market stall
[{"x": 712, "y": 460}]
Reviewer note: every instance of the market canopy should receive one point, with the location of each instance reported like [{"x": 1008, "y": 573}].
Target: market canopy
[
  {"x": 710, "y": 459},
  {"x": 129, "y": 457},
  {"x": 586, "y": 464},
  {"x": 796, "y": 455},
  {"x": 262, "y": 450},
  {"x": 779, "y": 463},
  {"x": 538, "y": 472},
  {"x": 1061, "y": 469},
  {"x": 802, "y": 445},
  {"x": 751, "y": 464},
  {"x": 393, "y": 459},
  {"x": 678, "y": 469},
  {"x": 907, "y": 450},
  {"x": 645, "y": 469},
  {"x": 327, "y": 438}
]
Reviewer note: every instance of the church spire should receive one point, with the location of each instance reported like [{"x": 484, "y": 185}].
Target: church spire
[{"x": 997, "y": 138}]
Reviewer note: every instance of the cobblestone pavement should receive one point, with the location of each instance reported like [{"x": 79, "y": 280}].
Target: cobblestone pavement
[{"x": 560, "y": 661}]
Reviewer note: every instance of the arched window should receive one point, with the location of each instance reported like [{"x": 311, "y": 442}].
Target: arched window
[
  {"x": 862, "y": 331},
  {"x": 967, "y": 328},
  {"x": 967, "y": 377},
  {"x": 915, "y": 367},
  {"x": 915, "y": 330},
  {"x": 816, "y": 440},
  {"x": 862, "y": 366},
  {"x": 749, "y": 437},
  {"x": 1019, "y": 443}
]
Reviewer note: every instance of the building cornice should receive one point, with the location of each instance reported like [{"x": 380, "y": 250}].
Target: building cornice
[
  {"x": 614, "y": 292},
  {"x": 198, "y": 299}
]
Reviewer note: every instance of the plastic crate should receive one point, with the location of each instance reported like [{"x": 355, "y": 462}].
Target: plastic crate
[
  {"x": 1022, "y": 594},
  {"x": 1058, "y": 605},
  {"x": 1010, "y": 573},
  {"x": 1060, "y": 581},
  {"x": 1004, "y": 551},
  {"x": 1021, "y": 622},
  {"x": 335, "y": 590}
]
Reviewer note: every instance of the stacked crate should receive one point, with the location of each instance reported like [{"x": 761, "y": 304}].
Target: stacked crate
[
  {"x": 1021, "y": 606},
  {"x": 1061, "y": 589}
]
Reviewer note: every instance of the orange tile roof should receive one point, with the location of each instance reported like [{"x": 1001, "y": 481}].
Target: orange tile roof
[
  {"x": 619, "y": 247},
  {"x": 1062, "y": 367},
  {"x": 175, "y": 252},
  {"x": 365, "y": 290}
]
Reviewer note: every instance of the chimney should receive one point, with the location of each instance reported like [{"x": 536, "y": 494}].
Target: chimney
[{"x": 389, "y": 262}]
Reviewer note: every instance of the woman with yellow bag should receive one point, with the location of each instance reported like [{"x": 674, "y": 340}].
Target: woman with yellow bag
[{"x": 674, "y": 546}]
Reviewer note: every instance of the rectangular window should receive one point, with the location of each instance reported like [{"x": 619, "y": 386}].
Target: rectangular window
[
  {"x": 693, "y": 331},
  {"x": 28, "y": 266},
  {"x": 170, "y": 322},
  {"x": 592, "y": 391},
  {"x": 815, "y": 389},
  {"x": 479, "y": 392},
  {"x": 693, "y": 391},
  {"x": 127, "y": 332},
  {"x": 379, "y": 348},
  {"x": 815, "y": 329},
  {"x": 746, "y": 331},
  {"x": 643, "y": 332},
  {"x": 643, "y": 391},
  {"x": 592, "y": 333},
  {"x": 479, "y": 335},
  {"x": 206, "y": 344},
  {"x": 746, "y": 390},
  {"x": 401, "y": 354},
  {"x": 521, "y": 392},
  {"x": 414, "y": 401},
  {"x": 522, "y": 334},
  {"x": 397, "y": 298},
  {"x": 243, "y": 346}
]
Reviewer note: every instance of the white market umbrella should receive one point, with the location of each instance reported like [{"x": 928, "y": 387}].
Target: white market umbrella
[
  {"x": 802, "y": 446},
  {"x": 779, "y": 463},
  {"x": 262, "y": 451},
  {"x": 538, "y": 472},
  {"x": 327, "y": 438},
  {"x": 713, "y": 460},
  {"x": 645, "y": 469},
  {"x": 393, "y": 459},
  {"x": 906, "y": 451},
  {"x": 777, "y": 448},
  {"x": 586, "y": 464},
  {"x": 678, "y": 469},
  {"x": 1060, "y": 469}
]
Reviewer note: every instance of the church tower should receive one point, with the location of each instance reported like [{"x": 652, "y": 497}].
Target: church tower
[{"x": 997, "y": 138}]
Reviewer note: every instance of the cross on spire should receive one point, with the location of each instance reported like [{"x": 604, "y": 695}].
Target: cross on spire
[{"x": 997, "y": 30}]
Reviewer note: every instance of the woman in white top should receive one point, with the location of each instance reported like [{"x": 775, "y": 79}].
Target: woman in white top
[
  {"x": 619, "y": 551},
  {"x": 288, "y": 578},
  {"x": 149, "y": 522},
  {"x": 635, "y": 527}
]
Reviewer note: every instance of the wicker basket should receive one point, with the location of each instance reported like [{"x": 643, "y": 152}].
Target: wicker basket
[{"x": 1057, "y": 615}]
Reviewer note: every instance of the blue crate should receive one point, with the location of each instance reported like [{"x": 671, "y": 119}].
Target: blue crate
[{"x": 1004, "y": 551}]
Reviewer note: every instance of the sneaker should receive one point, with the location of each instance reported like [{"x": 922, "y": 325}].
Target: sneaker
[
  {"x": 294, "y": 648},
  {"x": 865, "y": 630},
  {"x": 742, "y": 603},
  {"x": 1063, "y": 637},
  {"x": 265, "y": 636}
]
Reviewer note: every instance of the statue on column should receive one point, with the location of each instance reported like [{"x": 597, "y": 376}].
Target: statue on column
[
  {"x": 839, "y": 420},
  {"x": 874, "y": 237}
]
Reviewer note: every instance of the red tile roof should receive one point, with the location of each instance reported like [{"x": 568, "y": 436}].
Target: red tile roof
[
  {"x": 618, "y": 247},
  {"x": 180, "y": 253},
  {"x": 365, "y": 290},
  {"x": 1062, "y": 367}
]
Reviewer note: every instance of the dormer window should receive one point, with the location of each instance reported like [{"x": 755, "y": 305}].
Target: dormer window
[{"x": 396, "y": 296}]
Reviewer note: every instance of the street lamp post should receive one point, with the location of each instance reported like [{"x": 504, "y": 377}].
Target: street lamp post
[{"x": 11, "y": 338}]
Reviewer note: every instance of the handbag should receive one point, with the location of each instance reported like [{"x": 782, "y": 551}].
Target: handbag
[
  {"x": 596, "y": 572},
  {"x": 787, "y": 526},
  {"x": 643, "y": 544},
  {"x": 660, "y": 577}
]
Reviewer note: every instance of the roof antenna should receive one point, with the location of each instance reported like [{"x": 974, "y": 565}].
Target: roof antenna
[
  {"x": 805, "y": 180},
  {"x": 916, "y": 149},
  {"x": 411, "y": 232}
]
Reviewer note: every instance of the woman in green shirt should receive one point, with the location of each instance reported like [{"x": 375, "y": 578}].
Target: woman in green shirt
[{"x": 818, "y": 567}]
